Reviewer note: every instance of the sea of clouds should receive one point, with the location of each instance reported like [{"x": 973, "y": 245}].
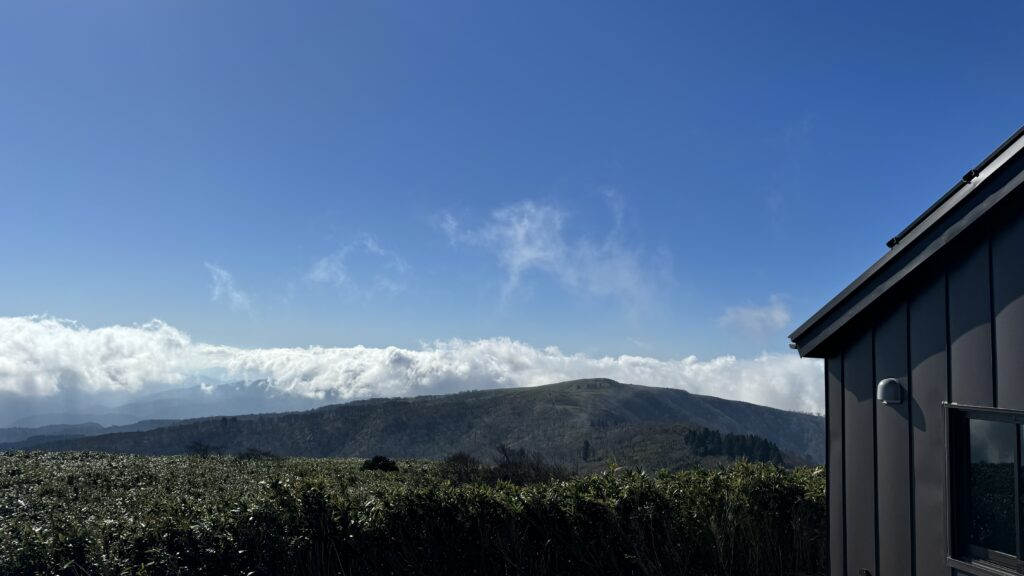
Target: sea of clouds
[{"x": 46, "y": 357}]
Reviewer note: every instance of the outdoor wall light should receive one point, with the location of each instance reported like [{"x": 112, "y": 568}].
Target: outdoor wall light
[{"x": 889, "y": 391}]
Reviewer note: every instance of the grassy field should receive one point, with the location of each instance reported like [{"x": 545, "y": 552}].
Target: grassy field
[{"x": 85, "y": 513}]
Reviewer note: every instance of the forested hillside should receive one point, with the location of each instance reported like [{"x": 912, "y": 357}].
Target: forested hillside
[{"x": 581, "y": 424}]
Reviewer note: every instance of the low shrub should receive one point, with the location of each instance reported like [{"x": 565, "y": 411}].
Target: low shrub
[
  {"x": 256, "y": 454},
  {"x": 78, "y": 513},
  {"x": 519, "y": 466},
  {"x": 382, "y": 463},
  {"x": 463, "y": 468}
]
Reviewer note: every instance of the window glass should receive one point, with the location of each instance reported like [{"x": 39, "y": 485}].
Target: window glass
[{"x": 993, "y": 449}]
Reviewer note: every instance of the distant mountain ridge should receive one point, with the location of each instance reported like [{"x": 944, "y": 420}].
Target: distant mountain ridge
[
  {"x": 605, "y": 419},
  {"x": 24, "y": 438},
  {"x": 198, "y": 399}
]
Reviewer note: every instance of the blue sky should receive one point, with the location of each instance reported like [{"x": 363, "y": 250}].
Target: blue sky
[{"x": 657, "y": 180}]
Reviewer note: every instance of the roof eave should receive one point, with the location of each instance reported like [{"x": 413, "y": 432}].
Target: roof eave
[{"x": 810, "y": 336}]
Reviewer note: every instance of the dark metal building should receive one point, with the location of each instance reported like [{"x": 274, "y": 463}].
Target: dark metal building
[{"x": 924, "y": 377}]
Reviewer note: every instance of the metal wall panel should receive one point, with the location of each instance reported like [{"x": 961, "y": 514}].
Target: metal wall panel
[
  {"x": 836, "y": 485},
  {"x": 958, "y": 336},
  {"x": 970, "y": 329},
  {"x": 929, "y": 389},
  {"x": 892, "y": 423},
  {"x": 1008, "y": 309},
  {"x": 859, "y": 456}
]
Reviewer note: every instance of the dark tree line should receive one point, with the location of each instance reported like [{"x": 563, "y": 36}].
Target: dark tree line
[{"x": 707, "y": 442}]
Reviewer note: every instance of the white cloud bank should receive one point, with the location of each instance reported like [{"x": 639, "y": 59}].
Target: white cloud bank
[{"x": 44, "y": 356}]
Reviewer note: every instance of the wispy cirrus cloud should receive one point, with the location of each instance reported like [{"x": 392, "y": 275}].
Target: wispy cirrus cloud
[
  {"x": 379, "y": 269},
  {"x": 531, "y": 237},
  {"x": 757, "y": 321},
  {"x": 224, "y": 289},
  {"x": 46, "y": 357}
]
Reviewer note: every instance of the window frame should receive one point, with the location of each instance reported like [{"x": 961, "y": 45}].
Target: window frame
[{"x": 960, "y": 553}]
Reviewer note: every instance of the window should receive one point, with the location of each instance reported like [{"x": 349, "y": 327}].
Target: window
[{"x": 986, "y": 486}]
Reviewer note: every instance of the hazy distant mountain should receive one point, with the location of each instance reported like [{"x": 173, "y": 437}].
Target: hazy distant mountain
[
  {"x": 603, "y": 418},
  {"x": 255, "y": 397},
  {"x": 193, "y": 401},
  {"x": 101, "y": 418},
  {"x": 66, "y": 408},
  {"x": 28, "y": 438},
  {"x": 8, "y": 435}
]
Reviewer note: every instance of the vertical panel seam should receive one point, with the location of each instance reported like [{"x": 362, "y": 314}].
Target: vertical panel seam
[
  {"x": 874, "y": 442},
  {"x": 949, "y": 346},
  {"x": 842, "y": 405},
  {"x": 910, "y": 441},
  {"x": 828, "y": 474},
  {"x": 949, "y": 396},
  {"x": 992, "y": 324}
]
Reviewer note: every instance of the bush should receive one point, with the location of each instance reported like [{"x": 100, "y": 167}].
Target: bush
[
  {"x": 522, "y": 467},
  {"x": 382, "y": 463},
  {"x": 463, "y": 468},
  {"x": 201, "y": 449},
  {"x": 256, "y": 454}
]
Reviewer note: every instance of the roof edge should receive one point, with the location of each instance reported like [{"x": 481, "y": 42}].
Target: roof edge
[
  {"x": 913, "y": 232},
  {"x": 965, "y": 179}
]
